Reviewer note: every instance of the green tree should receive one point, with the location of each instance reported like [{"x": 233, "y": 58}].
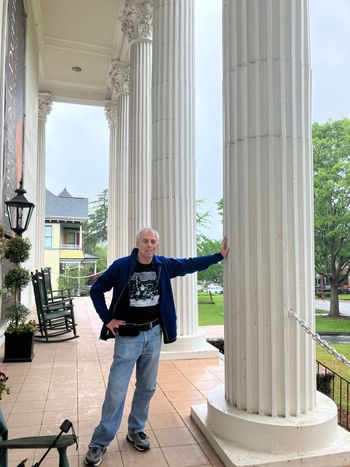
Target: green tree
[
  {"x": 206, "y": 246},
  {"x": 331, "y": 149},
  {"x": 101, "y": 251},
  {"x": 76, "y": 280},
  {"x": 202, "y": 217},
  {"x": 220, "y": 208},
  {"x": 96, "y": 226}
]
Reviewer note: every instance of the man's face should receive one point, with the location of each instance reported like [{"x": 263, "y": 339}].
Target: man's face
[{"x": 147, "y": 246}]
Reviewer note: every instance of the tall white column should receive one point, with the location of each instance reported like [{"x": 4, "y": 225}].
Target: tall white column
[
  {"x": 111, "y": 112},
  {"x": 268, "y": 207},
  {"x": 44, "y": 108},
  {"x": 137, "y": 21},
  {"x": 268, "y": 411},
  {"x": 117, "y": 114},
  {"x": 173, "y": 192}
]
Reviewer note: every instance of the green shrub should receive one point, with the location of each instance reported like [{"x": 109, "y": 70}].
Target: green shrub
[
  {"x": 218, "y": 343},
  {"x": 17, "y": 250},
  {"x": 325, "y": 294},
  {"x": 17, "y": 279},
  {"x": 324, "y": 383},
  {"x": 16, "y": 314}
]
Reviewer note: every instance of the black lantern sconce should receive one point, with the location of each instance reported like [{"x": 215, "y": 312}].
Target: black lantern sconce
[{"x": 19, "y": 211}]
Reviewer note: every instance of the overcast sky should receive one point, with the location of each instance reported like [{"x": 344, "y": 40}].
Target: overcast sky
[{"x": 77, "y": 137}]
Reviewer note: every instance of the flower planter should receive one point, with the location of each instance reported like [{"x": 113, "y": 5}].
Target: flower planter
[{"x": 19, "y": 347}]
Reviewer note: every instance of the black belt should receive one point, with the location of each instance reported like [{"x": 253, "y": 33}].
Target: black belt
[{"x": 144, "y": 326}]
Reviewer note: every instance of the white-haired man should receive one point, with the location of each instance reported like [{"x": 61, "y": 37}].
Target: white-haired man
[{"x": 142, "y": 310}]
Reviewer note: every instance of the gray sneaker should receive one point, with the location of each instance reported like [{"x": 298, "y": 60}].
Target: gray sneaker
[
  {"x": 140, "y": 440},
  {"x": 94, "y": 456}
]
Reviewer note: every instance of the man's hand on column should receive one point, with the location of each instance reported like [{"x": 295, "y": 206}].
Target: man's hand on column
[{"x": 224, "y": 247}]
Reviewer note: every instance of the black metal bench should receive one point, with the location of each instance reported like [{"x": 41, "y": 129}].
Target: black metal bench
[{"x": 60, "y": 442}]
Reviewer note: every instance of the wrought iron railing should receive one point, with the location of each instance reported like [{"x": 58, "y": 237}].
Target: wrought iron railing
[{"x": 337, "y": 388}]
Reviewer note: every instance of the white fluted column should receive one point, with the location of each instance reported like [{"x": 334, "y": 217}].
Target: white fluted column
[
  {"x": 268, "y": 207},
  {"x": 118, "y": 191},
  {"x": 268, "y": 406},
  {"x": 44, "y": 108},
  {"x": 111, "y": 112},
  {"x": 137, "y": 21},
  {"x": 173, "y": 194}
]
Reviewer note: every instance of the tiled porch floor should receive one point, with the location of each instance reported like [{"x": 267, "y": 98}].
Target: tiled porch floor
[{"x": 67, "y": 380}]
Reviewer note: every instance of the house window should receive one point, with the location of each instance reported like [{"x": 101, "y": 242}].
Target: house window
[
  {"x": 71, "y": 239},
  {"x": 48, "y": 236}
]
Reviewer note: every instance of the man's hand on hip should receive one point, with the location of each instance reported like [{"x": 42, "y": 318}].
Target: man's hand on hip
[{"x": 114, "y": 324}]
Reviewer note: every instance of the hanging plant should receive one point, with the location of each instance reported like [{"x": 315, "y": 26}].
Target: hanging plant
[{"x": 17, "y": 249}]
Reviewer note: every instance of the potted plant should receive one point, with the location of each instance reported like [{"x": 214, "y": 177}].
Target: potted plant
[{"x": 19, "y": 334}]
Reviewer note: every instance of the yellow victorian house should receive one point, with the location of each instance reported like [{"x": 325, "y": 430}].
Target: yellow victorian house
[{"x": 65, "y": 216}]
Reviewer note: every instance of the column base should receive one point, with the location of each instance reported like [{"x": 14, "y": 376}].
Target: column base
[
  {"x": 242, "y": 439},
  {"x": 189, "y": 347}
]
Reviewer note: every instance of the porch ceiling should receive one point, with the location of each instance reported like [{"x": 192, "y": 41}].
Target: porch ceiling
[{"x": 82, "y": 33}]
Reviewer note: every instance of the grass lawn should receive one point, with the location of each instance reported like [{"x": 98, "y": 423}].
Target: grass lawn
[
  {"x": 341, "y": 296},
  {"x": 324, "y": 324},
  {"x": 319, "y": 311},
  {"x": 331, "y": 362},
  {"x": 213, "y": 313},
  {"x": 344, "y": 296}
]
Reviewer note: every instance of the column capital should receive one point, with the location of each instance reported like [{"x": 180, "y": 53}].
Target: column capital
[
  {"x": 111, "y": 112},
  {"x": 137, "y": 20},
  {"x": 44, "y": 105},
  {"x": 119, "y": 77}
]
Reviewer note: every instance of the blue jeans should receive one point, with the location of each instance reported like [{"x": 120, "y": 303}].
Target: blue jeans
[{"x": 143, "y": 350}]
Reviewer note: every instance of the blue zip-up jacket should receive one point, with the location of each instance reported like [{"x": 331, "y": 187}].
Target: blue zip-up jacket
[{"x": 119, "y": 273}]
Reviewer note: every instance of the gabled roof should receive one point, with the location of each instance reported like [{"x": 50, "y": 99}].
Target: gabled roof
[
  {"x": 65, "y": 193},
  {"x": 66, "y": 207}
]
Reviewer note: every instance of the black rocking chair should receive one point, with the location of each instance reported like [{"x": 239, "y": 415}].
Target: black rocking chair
[{"x": 55, "y": 314}]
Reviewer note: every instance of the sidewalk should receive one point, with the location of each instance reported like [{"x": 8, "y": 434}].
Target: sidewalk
[{"x": 214, "y": 331}]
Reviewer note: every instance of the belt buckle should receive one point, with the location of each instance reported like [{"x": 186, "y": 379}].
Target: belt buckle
[{"x": 150, "y": 325}]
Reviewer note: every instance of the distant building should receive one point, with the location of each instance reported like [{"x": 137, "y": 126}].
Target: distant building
[{"x": 64, "y": 219}]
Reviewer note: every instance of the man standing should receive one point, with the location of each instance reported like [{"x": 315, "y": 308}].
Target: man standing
[{"x": 141, "y": 311}]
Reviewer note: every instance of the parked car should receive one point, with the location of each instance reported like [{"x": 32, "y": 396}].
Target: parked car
[
  {"x": 200, "y": 288},
  {"x": 215, "y": 289}
]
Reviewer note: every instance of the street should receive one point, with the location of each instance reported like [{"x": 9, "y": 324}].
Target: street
[{"x": 344, "y": 306}]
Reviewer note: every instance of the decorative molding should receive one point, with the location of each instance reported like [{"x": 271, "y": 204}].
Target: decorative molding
[
  {"x": 14, "y": 104},
  {"x": 44, "y": 105},
  {"x": 74, "y": 46},
  {"x": 111, "y": 112},
  {"x": 137, "y": 20},
  {"x": 119, "y": 77}
]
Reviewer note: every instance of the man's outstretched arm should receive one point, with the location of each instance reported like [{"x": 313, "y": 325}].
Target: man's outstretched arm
[{"x": 182, "y": 266}]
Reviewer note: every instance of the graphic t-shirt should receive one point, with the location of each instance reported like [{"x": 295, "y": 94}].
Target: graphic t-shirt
[{"x": 143, "y": 294}]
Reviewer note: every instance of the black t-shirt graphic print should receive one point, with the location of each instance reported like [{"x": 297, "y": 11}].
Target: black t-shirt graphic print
[
  {"x": 140, "y": 300},
  {"x": 143, "y": 289}
]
